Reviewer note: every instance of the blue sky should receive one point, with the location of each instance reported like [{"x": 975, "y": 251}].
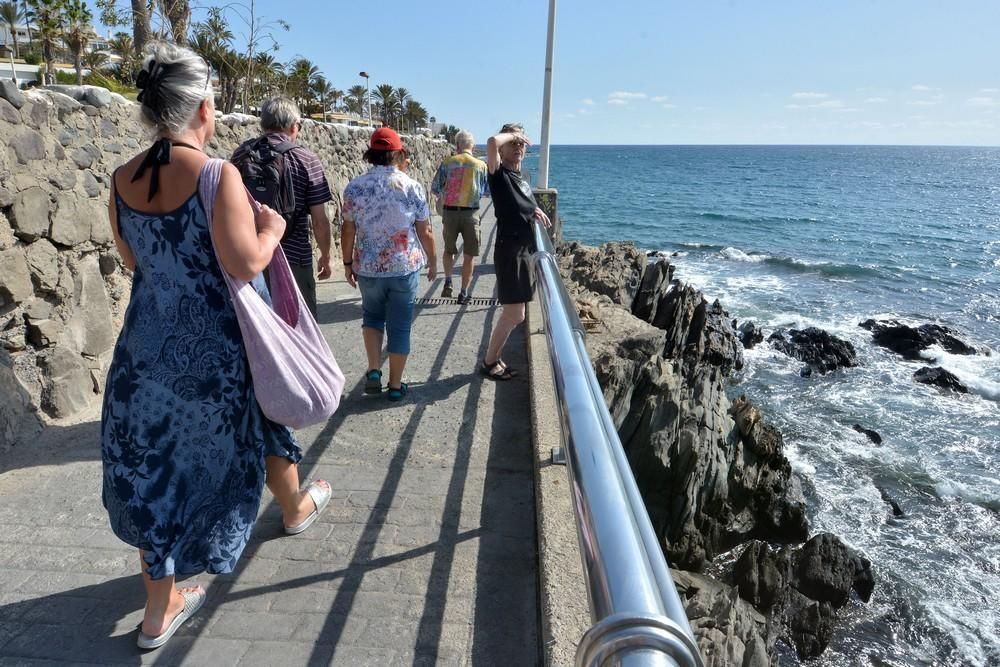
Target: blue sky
[{"x": 673, "y": 72}]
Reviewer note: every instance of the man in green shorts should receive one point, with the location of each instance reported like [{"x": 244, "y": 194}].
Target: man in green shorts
[{"x": 459, "y": 185}]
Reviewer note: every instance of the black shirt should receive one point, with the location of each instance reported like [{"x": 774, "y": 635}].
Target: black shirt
[{"x": 514, "y": 205}]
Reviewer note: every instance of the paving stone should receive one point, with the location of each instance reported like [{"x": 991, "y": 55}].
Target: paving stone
[{"x": 268, "y": 626}]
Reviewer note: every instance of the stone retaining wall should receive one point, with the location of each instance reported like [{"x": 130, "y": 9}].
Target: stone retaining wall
[{"x": 63, "y": 291}]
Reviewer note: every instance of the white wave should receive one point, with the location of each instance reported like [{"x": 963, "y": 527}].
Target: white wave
[
  {"x": 974, "y": 371},
  {"x": 738, "y": 255},
  {"x": 955, "y": 489}
]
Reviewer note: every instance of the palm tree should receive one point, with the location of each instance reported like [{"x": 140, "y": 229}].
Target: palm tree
[
  {"x": 402, "y": 97},
  {"x": 357, "y": 99},
  {"x": 267, "y": 73},
  {"x": 48, "y": 21},
  {"x": 95, "y": 60},
  {"x": 415, "y": 115},
  {"x": 140, "y": 25},
  {"x": 386, "y": 96},
  {"x": 128, "y": 67},
  {"x": 27, "y": 23},
  {"x": 178, "y": 13},
  {"x": 76, "y": 32},
  {"x": 321, "y": 88},
  {"x": 11, "y": 15},
  {"x": 301, "y": 76}
]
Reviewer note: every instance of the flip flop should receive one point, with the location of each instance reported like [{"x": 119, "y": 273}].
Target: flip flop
[
  {"x": 192, "y": 603},
  {"x": 321, "y": 498}
]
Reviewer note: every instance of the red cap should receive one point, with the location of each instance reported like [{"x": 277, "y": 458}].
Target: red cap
[{"x": 386, "y": 139}]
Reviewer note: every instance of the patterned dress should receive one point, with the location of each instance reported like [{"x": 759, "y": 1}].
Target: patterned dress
[{"x": 183, "y": 440}]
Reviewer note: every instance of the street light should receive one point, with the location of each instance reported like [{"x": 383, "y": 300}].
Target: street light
[{"x": 368, "y": 97}]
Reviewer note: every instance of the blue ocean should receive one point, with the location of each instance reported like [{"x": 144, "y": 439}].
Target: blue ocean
[{"x": 829, "y": 236}]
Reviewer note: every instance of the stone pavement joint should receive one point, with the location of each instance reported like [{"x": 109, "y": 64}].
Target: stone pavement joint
[{"x": 426, "y": 554}]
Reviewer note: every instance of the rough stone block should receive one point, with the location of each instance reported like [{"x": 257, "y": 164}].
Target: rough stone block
[
  {"x": 7, "y": 238},
  {"x": 67, "y": 135},
  {"x": 72, "y": 220},
  {"x": 28, "y": 146},
  {"x": 65, "y": 180},
  {"x": 90, "y": 184},
  {"x": 44, "y": 333},
  {"x": 84, "y": 156},
  {"x": 15, "y": 278},
  {"x": 68, "y": 386},
  {"x": 91, "y": 321},
  {"x": 96, "y": 96},
  {"x": 36, "y": 114},
  {"x": 8, "y": 113},
  {"x": 43, "y": 261},
  {"x": 10, "y": 93},
  {"x": 38, "y": 309},
  {"x": 100, "y": 228}
]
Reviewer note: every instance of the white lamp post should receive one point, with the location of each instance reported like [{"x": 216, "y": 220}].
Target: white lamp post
[
  {"x": 543, "y": 149},
  {"x": 368, "y": 97}
]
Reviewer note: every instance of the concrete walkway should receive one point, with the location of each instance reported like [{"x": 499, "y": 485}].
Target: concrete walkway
[{"x": 426, "y": 554}]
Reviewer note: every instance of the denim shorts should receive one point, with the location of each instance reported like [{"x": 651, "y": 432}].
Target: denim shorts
[{"x": 387, "y": 305}]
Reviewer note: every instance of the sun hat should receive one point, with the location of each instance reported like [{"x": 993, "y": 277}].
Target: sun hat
[{"x": 386, "y": 139}]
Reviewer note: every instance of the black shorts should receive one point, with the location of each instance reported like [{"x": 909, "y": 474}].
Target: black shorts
[{"x": 511, "y": 260}]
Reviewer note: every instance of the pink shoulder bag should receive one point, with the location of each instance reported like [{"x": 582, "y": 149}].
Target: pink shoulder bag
[{"x": 295, "y": 377}]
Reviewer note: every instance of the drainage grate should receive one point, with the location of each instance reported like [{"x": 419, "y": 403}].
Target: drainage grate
[{"x": 447, "y": 302}]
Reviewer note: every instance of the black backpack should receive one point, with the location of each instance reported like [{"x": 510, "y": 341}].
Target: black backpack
[{"x": 264, "y": 168}]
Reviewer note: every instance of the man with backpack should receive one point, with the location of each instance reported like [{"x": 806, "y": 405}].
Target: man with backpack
[{"x": 290, "y": 179}]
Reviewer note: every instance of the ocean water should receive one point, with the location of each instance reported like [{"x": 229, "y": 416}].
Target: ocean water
[{"x": 828, "y": 236}]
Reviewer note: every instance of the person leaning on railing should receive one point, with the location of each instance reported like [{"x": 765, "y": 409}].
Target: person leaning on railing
[{"x": 516, "y": 210}]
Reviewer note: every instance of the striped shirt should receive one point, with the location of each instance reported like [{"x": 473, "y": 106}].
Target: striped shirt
[
  {"x": 311, "y": 188},
  {"x": 461, "y": 181}
]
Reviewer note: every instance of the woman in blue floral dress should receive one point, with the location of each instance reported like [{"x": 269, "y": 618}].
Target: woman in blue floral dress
[{"x": 185, "y": 447}]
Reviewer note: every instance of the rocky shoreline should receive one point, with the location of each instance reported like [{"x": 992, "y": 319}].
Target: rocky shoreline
[{"x": 718, "y": 488}]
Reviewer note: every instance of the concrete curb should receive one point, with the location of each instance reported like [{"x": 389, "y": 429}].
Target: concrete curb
[{"x": 563, "y": 605}]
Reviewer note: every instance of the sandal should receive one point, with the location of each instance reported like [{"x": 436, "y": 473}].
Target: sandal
[
  {"x": 373, "y": 381},
  {"x": 397, "y": 394},
  {"x": 320, "y": 494},
  {"x": 192, "y": 603},
  {"x": 511, "y": 371},
  {"x": 495, "y": 371}
]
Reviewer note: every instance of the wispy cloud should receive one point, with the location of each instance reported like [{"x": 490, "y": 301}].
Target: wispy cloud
[
  {"x": 846, "y": 110},
  {"x": 618, "y": 102},
  {"x": 989, "y": 91},
  {"x": 587, "y": 101},
  {"x": 626, "y": 95},
  {"x": 669, "y": 106},
  {"x": 660, "y": 98},
  {"x": 921, "y": 88},
  {"x": 809, "y": 96},
  {"x": 820, "y": 103},
  {"x": 983, "y": 102},
  {"x": 876, "y": 100},
  {"x": 924, "y": 103}
]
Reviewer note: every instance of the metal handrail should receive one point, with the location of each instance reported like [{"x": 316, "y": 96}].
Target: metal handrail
[{"x": 638, "y": 617}]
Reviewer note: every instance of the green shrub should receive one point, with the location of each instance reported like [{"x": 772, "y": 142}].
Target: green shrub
[
  {"x": 67, "y": 78},
  {"x": 31, "y": 58},
  {"x": 104, "y": 81}
]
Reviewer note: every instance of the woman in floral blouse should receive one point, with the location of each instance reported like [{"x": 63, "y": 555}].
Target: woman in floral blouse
[{"x": 386, "y": 240}]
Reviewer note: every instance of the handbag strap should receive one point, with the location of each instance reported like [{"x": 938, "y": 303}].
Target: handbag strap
[{"x": 287, "y": 304}]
